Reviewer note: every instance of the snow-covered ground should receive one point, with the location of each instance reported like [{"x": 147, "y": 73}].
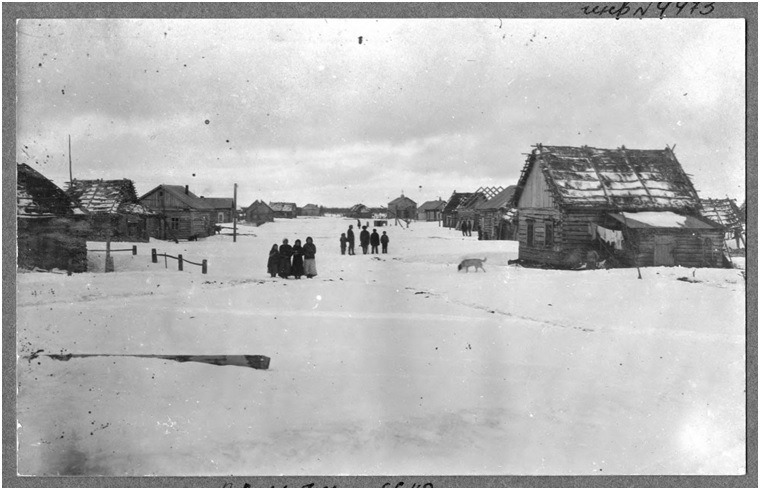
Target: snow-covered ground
[{"x": 381, "y": 365}]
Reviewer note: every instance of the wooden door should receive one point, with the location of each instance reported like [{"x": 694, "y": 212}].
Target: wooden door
[{"x": 664, "y": 248}]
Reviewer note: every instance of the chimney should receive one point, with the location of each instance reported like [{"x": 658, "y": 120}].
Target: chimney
[{"x": 187, "y": 189}]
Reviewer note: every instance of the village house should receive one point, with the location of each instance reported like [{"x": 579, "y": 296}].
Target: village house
[
  {"x": 182, "y": 214},
  {"x": 431, "y": 210},
  {"x": 469, "y": 210},
  {"x": 309, "y": 210},
  {"x": 496, "y": 216},
  {"x": 359, "y": 211},
  {"x": 450, "y": 212},
  {"x": 402, "y": 208},
  {"x": 725, "y": 212},
  {"x": 259, "y": 213},
  {"x": 580, "y": 205},
  {"x": 284, "y": 209},
  {"x": 223, "y": 208},
  {"x": 113, "y": 210},
  {"x": 51, "y": 228}
]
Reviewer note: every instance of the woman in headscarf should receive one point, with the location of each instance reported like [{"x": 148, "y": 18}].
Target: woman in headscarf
[
  {"x": 297, "y": 268},
  {"x": 309, "y": 261},
  {"x": 286, "y": 251},
  {"x": 274, "y": 261}
]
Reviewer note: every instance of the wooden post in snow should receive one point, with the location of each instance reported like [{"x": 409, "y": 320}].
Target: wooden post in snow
[{"x": 234, "y": 215}]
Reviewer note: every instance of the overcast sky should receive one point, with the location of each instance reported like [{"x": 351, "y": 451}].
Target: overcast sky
[{"x": 337, "y": 112}]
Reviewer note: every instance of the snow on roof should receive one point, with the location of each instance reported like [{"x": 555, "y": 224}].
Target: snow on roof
[
  {"x": 107, "y": 196},
  {"x": 722, "y": 211},
  {"x": 285, "y": 207},
  {"x": 612, "y": 178},
  {"x": 660, "y": 219},
  {"x": 39, "y": 197}
]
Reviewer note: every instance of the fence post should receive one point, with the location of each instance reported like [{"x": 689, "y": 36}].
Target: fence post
[
  {"x": 134, "y": 249},
  {"x": 153, "y": 256},
  {"x": 204, "y": 266},
  {"x": 109, "y": 259},
  {"x": 179, "y": 261}
]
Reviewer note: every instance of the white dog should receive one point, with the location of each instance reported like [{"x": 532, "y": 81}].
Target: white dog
[{"x": 467, "y": 263}]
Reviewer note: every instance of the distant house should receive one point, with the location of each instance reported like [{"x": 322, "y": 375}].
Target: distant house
[
  {"x": 284, "y": 209},
  {"x": 182, "y": 214},
  {"x": 52, "y": 228},
  {"x": 495, "y": 219},
  {"x": 309, "y": 210},
  {"x": 577, "y": 205},
  {"x": 113, "y": 210},
  {"x": 469, "y": 209},
  {"x": 402, "y": 208},
  {"x": 259, "y": 213},
  {"x": 726, "y": 213},
  {"x": 450, "y": 213},
  {"x": 223, "y": 207},
  {"x": 431, "y": 210},
  {"x": 359, "y": 211}
]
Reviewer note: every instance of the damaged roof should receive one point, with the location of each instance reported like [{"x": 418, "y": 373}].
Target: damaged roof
[
  {"x": 39, "y": 197},
  {"x": 456, "y": 200},
  {"x": 500, "y": 200},
  {"x": 283, "y": 207},
  {"x": 585, "y": 177},
  {"x": 724, "y": 212},
  {"x": 107, "y": 196}
]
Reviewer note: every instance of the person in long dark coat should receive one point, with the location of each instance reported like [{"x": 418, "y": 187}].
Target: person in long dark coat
[
  {"x": 309, "y": 258},
  {"x": 384, "y": 241},
  {"x": 364, "y": 239},
  {"x": 343, "y": 243},
  {"x": 374, "y": 240},
  {"x": 274, "y": 261},
  {"x": 297, "y": 268},
  {"x": 286, "y": 251},
  {"x": 351, "y": 240},
  {"x": 464, "y": 228}
]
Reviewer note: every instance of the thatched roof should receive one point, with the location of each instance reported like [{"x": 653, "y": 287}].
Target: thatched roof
[
  {"x": 39, "y": 197},
  {"x": 107, "y": 196},
  {"x": 724, "y": 212},
  {"x": 588, "y": 177}
]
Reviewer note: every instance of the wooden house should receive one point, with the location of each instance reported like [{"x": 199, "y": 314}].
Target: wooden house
[
  {"x": 450, "y": 212},
  {"x": 113, "y": 210},
  {"x": 309, "y": 210},
  {"x": 52, "y": 229},
  {"x": 182, "y": 214},
  {"x": 259, "y": 213},
  {"x": 284, "y": 209},
  {"x": 431, "y": 210},
  {"x": 223, "y": 208},
  {"x": 359, "y": 211},
  {"x": 402, "y": 208},
  {"x": 495, "y": 219},
  {"x": 727, "y": 213},
  {"x": 631, "y": 207},
  {"x": 469, "y": 210}
]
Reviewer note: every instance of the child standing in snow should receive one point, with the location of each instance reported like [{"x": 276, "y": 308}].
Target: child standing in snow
[
  {"x": 384, "y": 241},
  {"x": 343, "y": 243},
  {"x": 274, "y": 260}
]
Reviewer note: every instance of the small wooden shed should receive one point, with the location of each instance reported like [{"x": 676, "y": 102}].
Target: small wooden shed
[
  {"x": 359, "y": 211},
  {"x": 259, "y": 213},
  {"x": 431, "y": 210},
  {"x": 450, "y": 213},
  {"x": 495, "y": 219},
  {"x": 284, "y": 209},
  {"x": 309, "y": 210},
  {"x": 632, "y": 207},
  {"x": 52, "y": 228}
]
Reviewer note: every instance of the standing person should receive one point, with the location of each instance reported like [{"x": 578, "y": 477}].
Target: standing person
[
  {"x": 358, "y": 223},
  {"x": 297, "y": 259},
  {"x": 274, "y": 261},
  {"x": 343, "y": 243},
  {"x": 374, "y": 240},
  {"x": 384, "y": 240},
  {"x": 469, "y": 228},
  {"x": 309, "y": 261},
  {"x": 351, "y": 240},
  {"x": 364, "y": 239},
  {"x": 286, "y": 251},
  {"x": 464, "y": 228}
]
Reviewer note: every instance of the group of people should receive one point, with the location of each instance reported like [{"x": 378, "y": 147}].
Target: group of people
[
  {"x": 366, "y": 240},
  {"x": 295, "y": 260}
]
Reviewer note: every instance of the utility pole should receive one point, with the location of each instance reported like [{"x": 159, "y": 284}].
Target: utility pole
[
  {"x": 234, "y": 214},
  {"x": 71, "y": 175}
]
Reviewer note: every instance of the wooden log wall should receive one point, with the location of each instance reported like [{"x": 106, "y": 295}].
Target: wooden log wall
[
  {"x": 539, "y": 252},
  {"x": 689, "y": 248}
]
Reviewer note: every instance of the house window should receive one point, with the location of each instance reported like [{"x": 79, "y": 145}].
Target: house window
[
  {"x": 529, "y": 232},
  {"x": 220, "y": 218},
  {"x": 548, "y": 234},
  {"x": 174, "y": 224}
]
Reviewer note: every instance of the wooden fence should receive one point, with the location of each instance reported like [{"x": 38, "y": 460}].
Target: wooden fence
[{"x": 180, "y": 261}]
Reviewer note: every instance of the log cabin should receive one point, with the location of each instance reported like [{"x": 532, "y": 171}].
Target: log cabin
[{"x": 182, "y": 214}]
